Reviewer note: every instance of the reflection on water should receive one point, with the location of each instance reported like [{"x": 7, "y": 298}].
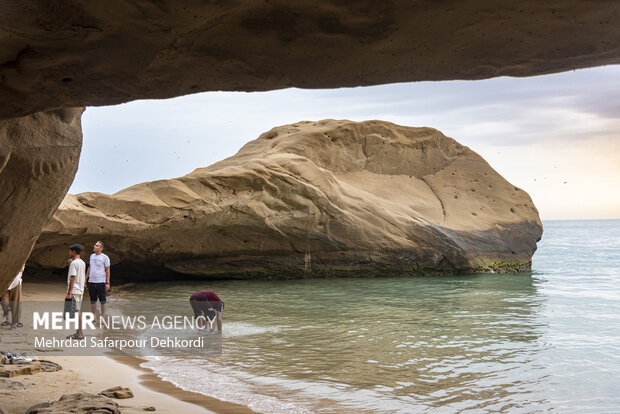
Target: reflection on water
[
  {"x": 379, "y": 344},
  {"x": 509, "y": 343}
]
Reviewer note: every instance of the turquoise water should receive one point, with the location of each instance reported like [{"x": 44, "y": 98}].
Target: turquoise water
[{"x": 539, "y": 342}]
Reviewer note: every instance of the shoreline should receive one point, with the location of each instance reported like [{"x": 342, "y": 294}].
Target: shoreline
[
  {"x": 93, "y": 374},
  {"x": 153, "y": 382}
]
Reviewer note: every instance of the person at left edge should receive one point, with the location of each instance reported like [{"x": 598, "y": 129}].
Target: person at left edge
[{"x": 12, "y": 302}]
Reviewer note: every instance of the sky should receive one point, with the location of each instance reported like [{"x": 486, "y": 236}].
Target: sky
[{"x": 555, "y": 136}]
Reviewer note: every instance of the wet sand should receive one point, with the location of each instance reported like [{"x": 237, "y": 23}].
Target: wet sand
[{"x": 94, "y": 374}]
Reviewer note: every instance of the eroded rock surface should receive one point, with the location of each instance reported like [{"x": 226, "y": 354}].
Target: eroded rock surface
[
  {"x": 72, "y": 54},
  {"x": 39, "y": 156},
  {"x": 312, "y": 199},
  {"x": 77, "y": 403},
  {"x": 67, "y": 54}
]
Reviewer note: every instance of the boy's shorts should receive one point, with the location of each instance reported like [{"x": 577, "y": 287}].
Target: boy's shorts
[
  {"x": 97, "y": 291},
  {"x": 72, "y": 305}
]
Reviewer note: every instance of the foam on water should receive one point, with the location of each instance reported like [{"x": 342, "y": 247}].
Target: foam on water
[
  {"x": 206, "y": 378},
  {"x": 236, "y": 329},
  {"x": 213, "y": 380}
]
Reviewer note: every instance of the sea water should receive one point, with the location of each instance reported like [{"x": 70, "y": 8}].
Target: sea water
[{"x": 543, "y": 341}]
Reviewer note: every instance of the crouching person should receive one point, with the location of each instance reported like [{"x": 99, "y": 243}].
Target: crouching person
[{"x": 207, "y": 304}]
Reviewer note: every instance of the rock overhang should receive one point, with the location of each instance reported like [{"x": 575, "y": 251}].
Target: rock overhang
[
  {"x": 80, "y": 53},
  {"x": 58, "y": 55}
]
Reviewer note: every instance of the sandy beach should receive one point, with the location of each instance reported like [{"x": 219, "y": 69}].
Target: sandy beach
[{"x": 93, "y": 374}]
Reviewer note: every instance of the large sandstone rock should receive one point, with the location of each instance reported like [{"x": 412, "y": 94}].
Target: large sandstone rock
[
  {"x": 65, "y": 54},
  {"x": 313, "y": 198},
  {"x": 38, "y": 158}
]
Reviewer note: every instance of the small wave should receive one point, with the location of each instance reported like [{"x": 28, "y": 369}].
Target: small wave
[
  {"x": 232, "y": 385},
  {"x": 212, "y": 380}
]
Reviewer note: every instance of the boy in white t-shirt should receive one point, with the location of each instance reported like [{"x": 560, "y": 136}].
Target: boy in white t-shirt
[
  {"x": 75, "y": 284},
  {"x": 98, "y": 277}
]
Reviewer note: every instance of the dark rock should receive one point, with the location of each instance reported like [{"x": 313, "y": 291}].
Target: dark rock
[
  {"x": 49, "y": 366},
  {"x": 6, "y": 384},
  {"x": 77, "y": 403}
]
